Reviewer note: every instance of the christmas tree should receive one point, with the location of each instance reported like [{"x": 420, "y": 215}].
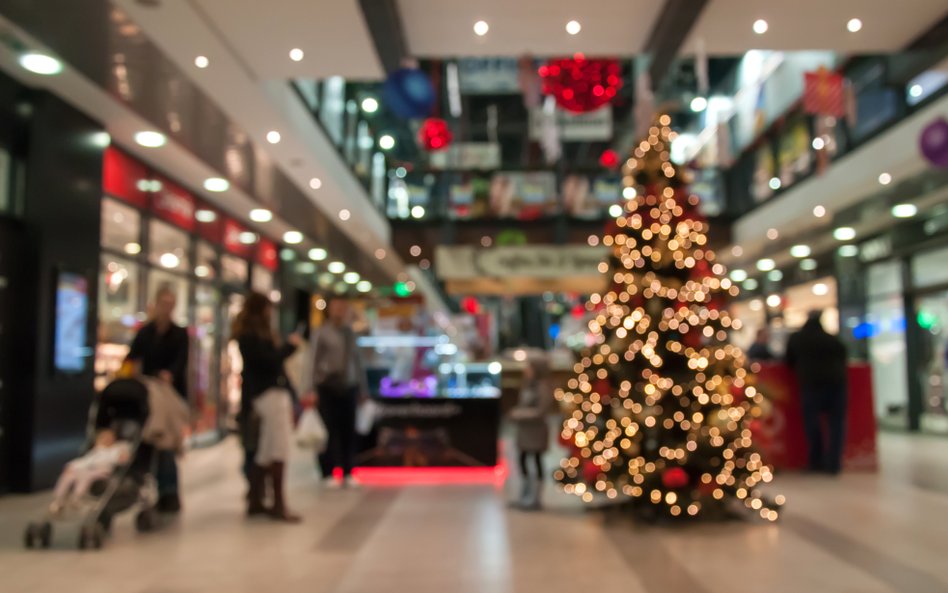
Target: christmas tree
[{"x": 661, "y": 407}]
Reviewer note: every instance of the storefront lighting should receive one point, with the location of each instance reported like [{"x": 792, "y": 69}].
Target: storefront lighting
[
  {"x": 766, "y": 264},
  {"x": 775, "y": 275},
  {"x": 326, "y": 280},
  {"x": 169, "y": 260},
  {"x": 844, "y": 233},
  {"x": 760, "y": 26},
  {"x": 205, "y": 216},
  {"x": 418, "y": 212},
  {"x": 573, "y": 27},
  {"x": 629, "y": 193},
  {"x": 775, "y": 183},
  {"x": 287, "y": 254},
  {"x": 364, "y": 286},
  {"x": 296, "y": 54},
  {"x": 306, "y": 267},
  {"x": 848, "y": 251},
  {"x": 854, "y": 25},
  {"x": 773, "y": 301},
  {"x": 904, "y": 210},
  {"x": 820, "y": 289},
  {"x": 351, "y": 277},
  {"x": 202, "y": 271},
  {"x": 261, "y": 215},
  {"x": 336, "y": 267},
  {"x": 818, "y": 143},
  {"x": 615, "y": 211},
  {"x": 216, "y": 184},
  {"x": 247, "y": 238},
  {"x": 800, "y": 251},
  {"x": 39, "y": 63},
  {"x": 370, "y": 105},
  {"x": 481, "y": 28},
  {"x": 100, "y": 139},
  {"x": 495, "y": 368},
  {"x": 315, "y": 183},
  {"x": 341, "y": 287},
  {"x": 699, "y": 104},
  {"x": 201, "y": 62},
  {"x": 133, "y": 248},
  {"x": 738, "y": 275},
  {"x": 387, "y": 142},
  {"x": 916, "y": 91},
  {"x": 292, "y": 237},
  {"x": 318, "y": 254},
  {"x": 808, "y": 265},
  {"x": 750, "y": 284},
  {"x": 150, "y": 139},
  {"x": 401, "y": 172}
]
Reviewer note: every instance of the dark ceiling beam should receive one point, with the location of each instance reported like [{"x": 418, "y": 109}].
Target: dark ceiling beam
[
  {"x": 669, "y": 33},
  {"x": 385, "y": 26}
]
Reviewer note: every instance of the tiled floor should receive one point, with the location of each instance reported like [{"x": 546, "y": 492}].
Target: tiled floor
[{"x": 882, "y": 533}]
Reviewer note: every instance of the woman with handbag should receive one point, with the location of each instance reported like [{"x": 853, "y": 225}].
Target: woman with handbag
[{"x": 266, "y": 407}]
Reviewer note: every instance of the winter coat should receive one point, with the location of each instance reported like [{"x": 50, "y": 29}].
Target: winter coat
[
  {"x": 818, "y": 358},
  {"x": 530, "y": 417}
]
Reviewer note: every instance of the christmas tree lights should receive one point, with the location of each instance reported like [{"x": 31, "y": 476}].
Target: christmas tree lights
[{"x": 660, "y": 407}]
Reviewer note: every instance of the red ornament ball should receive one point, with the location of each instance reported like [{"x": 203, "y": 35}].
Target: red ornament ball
[
  {"x": 591, "y": 471},
  {"x": 580, "y": 85},
  {"x": 674, "y": 478},
  {"x": 609, "y": 159},
  {"x": 470, "y": 305},
  {"x": 434, "y": 134}
]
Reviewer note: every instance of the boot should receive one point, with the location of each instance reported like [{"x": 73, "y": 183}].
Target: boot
[
  {"x": 532, "y": 502},
  {"x": 279, "y": 512},
  {"x": 256, "y": 477}
]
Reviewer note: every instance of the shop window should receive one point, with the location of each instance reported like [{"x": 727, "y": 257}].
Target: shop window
[
  {"x": 234, "y": 270},
  {"x": 160, "y": 279},
  {"x": 206, "y": 265},
  {"x": 121, "y": 227},
  {"x": 168, "y": 247},
  {"x": 884, "y": 327},
  {"x": 884, "y": 279},
  {"x": 119, "y": 315},
  {"x": 928, "y": 268},
  {"x": 262, "y": 280},
  {"x": 204, "y": 365}
]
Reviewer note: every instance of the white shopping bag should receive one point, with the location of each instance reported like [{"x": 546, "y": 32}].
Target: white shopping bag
[
  {"x": 365, "y": 417},
  {"x": 311, "y": 433}
]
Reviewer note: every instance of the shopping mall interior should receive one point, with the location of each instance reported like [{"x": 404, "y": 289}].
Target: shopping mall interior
[{"x": 428, "y": 295}]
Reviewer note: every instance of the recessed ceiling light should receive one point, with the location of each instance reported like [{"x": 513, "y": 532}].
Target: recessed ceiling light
[
  {"x": 808, "y": 265},
  {"x": 201, "y": 62},
  {"x": 818, "y": 143},
  {"x": 738, "y": 275},
  {"x": 737, "y": 251},
  {"x": 699, "y": 104},
  {"x": 885, "y": 178},
  {"x": 216, "y": 184},
  {"x": 247, "y": 238},
  {"x": 775, "y": 276},
  {"x": 750, "y": 284},
  {"x": 150, "y": 139},
  {"x": 800, "y": 251},
  {"x": 481, "y": 28},
  {"x": 101, "y": 139},
  {"x": 418, "y": 212},
  {"x": 296, "y": 54},
  {"x": 386, "y": 142},
  {"x": 854, "y": 25},
  {"x": 364, "y": 286},
  {"x": 775, "y": 183},
  {"x": 415, "y": 250},
  {"x": 820, "y": 289},
  {"x": 273, "y": 136},
  {"x": 916, "y": 91},
  {"x": 772, "y": 234},
  {"x": 38, "y": 63},
  {"x": 844, "y": 233},
  {"x": 819, "y": 211},
  {"x": 261, "y": 215},
  {"x": 773, "y": 300},
  {"x": 370, "y": 105},
  {"x": 379, "y": 253},
  {"x": 766, "y": 264},
  {"x": 133, "y": 248},
  {"x": 848, "y": 251},
  {"x": 336, "y": 267},
  {"x": 573, "y": 27},
  {"x": 344, "y": 214},
  {"x": 318, "y": 254},
  {"x": 904, "y": 210},
  {"x": 205, "y": 215},
  {"x": 350, "y": 277},
  {"x": 760, "y": 26},
  {"x": 169, "y": 260},
  {"x": 315, "y": 183},
  {"x": 292, "y": 237}
]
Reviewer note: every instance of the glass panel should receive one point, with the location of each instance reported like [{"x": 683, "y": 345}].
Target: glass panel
[
  {"x": 119, "y": 315},
  {"x": 884, "y": 279},
  {"x": 5, "y": 180},
  {"x": 206, "y": 265},
  {"x": 929, "y": 269},
  {"x": 231, "y": 362},
  {"x": 933, "y": 321},
  {"x": 168, "y": 247},
  {"x": 205, "y": 390},
  {"x": 121, "y": 226},
  {"x": 233, "y": 270},
  {"x": 262, "y": 280},
  {"x": 885, "y": 323},
  {"x": 333, "y": 107},
  {"x": 159, "y": 279}
]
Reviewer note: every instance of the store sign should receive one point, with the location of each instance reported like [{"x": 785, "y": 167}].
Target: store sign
[
  {"x": 121, "y": 177},
  {"x": 575, "y": 127},
  {"x": 527, "y": 261},
  {"x": 267, "y": 254},
  {"x": 489, "y": 76},
  {"x": 875, "y": 249},
  {"x": 171, "y": 203},
  {"x": 467, "y": 156},
  {"x": 232, "y": 232}
]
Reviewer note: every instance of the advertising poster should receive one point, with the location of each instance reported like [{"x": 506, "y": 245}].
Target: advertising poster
[
  {"x": 524, "y": 196},
  {"x": 72, "y": 313}
]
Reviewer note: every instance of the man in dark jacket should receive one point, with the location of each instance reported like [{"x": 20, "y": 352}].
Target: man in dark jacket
[
  {"x": 161, "y": 350},
  {"x": 819, "y": 360}
]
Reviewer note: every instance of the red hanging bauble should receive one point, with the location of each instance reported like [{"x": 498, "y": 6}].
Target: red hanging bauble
[
  {"x": 580, "y": 85},
  {"x": 470, "y": 305},
  {"x": 591, "y": 471},
  {"x": 609, "y": 159},
  {"x": 578, "y": 312},
  {"x": 434, "y": 134},
  {"x": 674, "y": 478}
]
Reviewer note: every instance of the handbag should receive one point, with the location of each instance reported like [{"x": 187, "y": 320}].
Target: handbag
[{"x": 311, "y": 432}]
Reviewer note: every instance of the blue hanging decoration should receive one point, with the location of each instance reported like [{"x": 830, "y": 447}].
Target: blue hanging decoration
[{"x": 408, "y": 93}]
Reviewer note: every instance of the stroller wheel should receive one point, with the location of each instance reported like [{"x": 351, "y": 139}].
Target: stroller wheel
[
  {"x": 46, "y": 534},
  {"x": 145, "y": 520},
  {"x": 91, "y": 537},
  {"x": 31, "y": 536}
]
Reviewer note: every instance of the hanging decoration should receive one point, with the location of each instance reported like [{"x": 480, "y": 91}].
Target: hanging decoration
[
  {"x": 470, "y": 305},
  {"x": 409, "y": 93},
  {"x": 609, "y": 159},
  {"x": 434, "y": 134},
  {"x": 824, "y": 93},
  {"x": 581, "y": 85},
  {"x": 934, "y": 142}
]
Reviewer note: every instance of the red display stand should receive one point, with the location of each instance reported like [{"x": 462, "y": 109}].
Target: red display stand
[{"x": 780, "y": 435}]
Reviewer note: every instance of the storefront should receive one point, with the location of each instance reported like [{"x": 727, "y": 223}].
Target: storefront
[{"x": 155, "y": 235}]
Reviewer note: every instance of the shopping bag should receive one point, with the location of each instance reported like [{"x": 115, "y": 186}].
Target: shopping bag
[
  {"x": 311, "y": 432},
  {"x": 365, "y": 417}
]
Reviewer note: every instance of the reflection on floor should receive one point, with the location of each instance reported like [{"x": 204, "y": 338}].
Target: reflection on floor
[{"x": 859, "y": 534}]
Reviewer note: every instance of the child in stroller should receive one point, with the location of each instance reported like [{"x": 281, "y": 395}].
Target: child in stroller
[{"x": 115, "y": 475}]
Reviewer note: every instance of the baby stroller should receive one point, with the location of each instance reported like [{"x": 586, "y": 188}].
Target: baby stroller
[{"x": 123, "y": 408}]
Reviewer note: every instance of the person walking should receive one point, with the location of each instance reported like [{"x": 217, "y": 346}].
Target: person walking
[
  {"x": 819, "y": 360},
  {"x": 160, "y": 349},
  {"x": 532, "y": 430},
  {"x": 339, "y": 385},
  {"x": 266, "y": 406},
  {"x": 760, "y": 350}
]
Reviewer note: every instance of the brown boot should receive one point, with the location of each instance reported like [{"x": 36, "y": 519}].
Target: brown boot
[
  {"x": 279, "y": 512},
  {"x": 256, "y": 490}
]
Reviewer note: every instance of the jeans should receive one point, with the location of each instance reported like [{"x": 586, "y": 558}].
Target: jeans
[
  {"x": 166, "y": 474},
  {"x": 829, "y": 401},
  {"x": 338, "y": 410}
]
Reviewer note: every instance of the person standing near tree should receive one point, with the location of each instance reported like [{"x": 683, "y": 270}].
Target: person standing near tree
[
  {"x": 160, "y": 349},
  {"x": 819, "y": 360},
  {"x": 339, "y": 385}
]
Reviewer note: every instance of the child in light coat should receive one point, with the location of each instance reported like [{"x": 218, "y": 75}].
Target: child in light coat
[{"x": 532, "y": 429}]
